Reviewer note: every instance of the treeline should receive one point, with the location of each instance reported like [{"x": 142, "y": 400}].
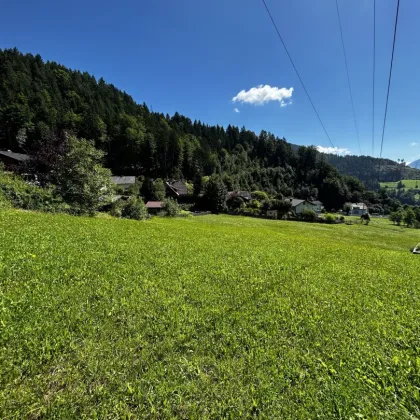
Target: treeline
[
  {"x": 405, "y": 196},
  {"x": 407, "y": 215},
  {"x": 39, "y": 100}
]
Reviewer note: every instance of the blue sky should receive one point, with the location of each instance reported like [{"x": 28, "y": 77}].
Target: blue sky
[{"x": 195, "y": 56}]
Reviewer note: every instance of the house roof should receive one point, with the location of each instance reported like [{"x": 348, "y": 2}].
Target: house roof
[
  {"x": 154, "y": 204},
  {"x": 20, "y": 157},
  {"x": 245, "y": 194},
  {"x": 317, "y": 203},
  {"x": 171, "y": 188},
  {"x": 177, "y": 187},
  {"x": 296, "y": 201},
  {"x": 121, "y": 180}
]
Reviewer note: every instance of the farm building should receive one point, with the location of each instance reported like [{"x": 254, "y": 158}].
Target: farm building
[
  {"x": 154, "y": 207},
  {"x": 12, "y": 160},
  {"x": 123, "y": 182},
  {"x": 358, "y": 209},
  {"x": 299, "y": 205}
]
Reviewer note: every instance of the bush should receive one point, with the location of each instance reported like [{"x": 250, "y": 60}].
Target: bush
[
  {"x": 117, "y": 208},
  {"x": 134, "y": 208},
  {"x": 259, "y": 195},
  {"x": 4, "y": 202},
  {"x": 254, "y": 204},
  {"x": 184, "y": 213},
  {"x": 190, "y": 188},
  {"x": 366, "y": 218},
  {"x": 329, "y": 218},
  {"x": 397, "y": 217},
  {"x": 133, "y": 189},
  {"x": 186, "y": 207},
  {"x": 159, "y": 190},
  {"x": 20, "y": 194},
  {"x": 409, "y": 217},
  {"x": 235, "y": 203},
  {"x": 171, "y": 207},
  {"x": 376, "y": 209},
  {"x": 308, "y": 215}
]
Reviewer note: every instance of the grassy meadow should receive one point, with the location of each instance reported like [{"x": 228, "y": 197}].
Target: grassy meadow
[
  {"x": 207, "y": 317},
  {"x": 409, "y": 183}
]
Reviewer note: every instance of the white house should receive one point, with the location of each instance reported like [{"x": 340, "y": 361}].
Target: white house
[{"x": 358, "y": 209}]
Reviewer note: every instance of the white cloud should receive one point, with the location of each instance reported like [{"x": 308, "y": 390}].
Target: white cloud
[
  {"x": 236, "y": 110},
  {"x": 413, "y": 143},
  {"x": 333, "y": 150},
  {"x": 262, "y": 94}
]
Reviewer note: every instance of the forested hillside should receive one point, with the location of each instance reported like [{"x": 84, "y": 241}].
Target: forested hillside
[
  {"x": 38, "y": 100},
  {"x": 373, "y": 170}
]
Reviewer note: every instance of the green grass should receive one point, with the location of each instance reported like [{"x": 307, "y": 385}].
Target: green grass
[
  {"x": 409, "y": 183},
  {"x": 207, "y": 317}
]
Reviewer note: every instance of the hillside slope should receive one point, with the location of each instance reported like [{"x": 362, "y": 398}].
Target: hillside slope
[
  {"x": 38, "y": 99},
  {"x": 373, "y": 170}
]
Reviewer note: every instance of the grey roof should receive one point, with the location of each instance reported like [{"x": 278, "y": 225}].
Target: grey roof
[
  {"x": 296, "y": 201},
  {"x": 21, "y": 157},
  {"x": 245, "y": 194},
  {"x": 122, "y": 180},
  {"x": 317, "y": 203},
  {"x": 177, "y": 187}
]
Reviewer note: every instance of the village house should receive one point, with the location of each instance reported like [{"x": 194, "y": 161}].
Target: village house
[
  {"x": 12, "y": 160},
  {"x": 154, "y": 207},
  {"x": 358, "y": 209},
  {"x": 123, "y": 182},
  {"x": 299, "y": 205}
]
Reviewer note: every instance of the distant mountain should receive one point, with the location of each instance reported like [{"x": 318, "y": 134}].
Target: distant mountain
[{"x": 415, "y": 164}]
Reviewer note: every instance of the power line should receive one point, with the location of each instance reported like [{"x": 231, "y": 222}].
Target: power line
[
  {"x": 390, "y": 75},
  {"x": 348, "y": 77},
  {"x": 298, "y": 75},
  {"x": 373, "y": 82}
]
